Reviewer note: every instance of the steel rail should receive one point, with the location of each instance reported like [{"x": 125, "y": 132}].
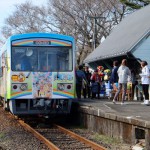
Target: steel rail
[
  {"x": 39, "y": 136},
  {"x": 93, "y": 145}
]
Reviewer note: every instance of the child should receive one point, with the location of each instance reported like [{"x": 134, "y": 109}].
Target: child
[{"x": 94, "y": 89}]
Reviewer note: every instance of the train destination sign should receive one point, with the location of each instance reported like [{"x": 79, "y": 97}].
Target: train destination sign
[{"x": 42, "y": 42}]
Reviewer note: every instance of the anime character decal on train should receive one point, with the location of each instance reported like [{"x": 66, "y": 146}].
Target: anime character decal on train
[{"x": 44, "y": 85}]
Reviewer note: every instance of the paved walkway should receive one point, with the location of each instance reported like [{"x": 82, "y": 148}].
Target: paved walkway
[{"x": 132, "y": 109}]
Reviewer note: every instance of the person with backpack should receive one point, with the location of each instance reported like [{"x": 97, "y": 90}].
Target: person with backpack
[{"x": 80, "y": 79}]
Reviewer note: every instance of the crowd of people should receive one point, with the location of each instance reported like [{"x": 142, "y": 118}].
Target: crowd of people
[{"x": 89, "y": 83}]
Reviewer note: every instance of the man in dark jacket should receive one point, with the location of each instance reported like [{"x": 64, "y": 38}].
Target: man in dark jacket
[
  {"x": 87, "y": 90},
  {"x": 80, "y": 75},
  {"x": 114, "y": 75}
]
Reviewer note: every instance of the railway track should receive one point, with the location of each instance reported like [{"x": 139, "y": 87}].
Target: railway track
[{"x": 59, "y": 138}]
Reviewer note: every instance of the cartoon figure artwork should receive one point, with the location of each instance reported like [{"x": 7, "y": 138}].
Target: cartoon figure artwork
[
  {"x": 21, "y": 85},
  {"x": 21, "y": 77},
  {"x": 42, "y": 85},
  {"x": 63, "y": 86},
  {"x": 100, "y": 72},
  {"x": 18, "y": 77},
  {"x": 107, "y": 73}
]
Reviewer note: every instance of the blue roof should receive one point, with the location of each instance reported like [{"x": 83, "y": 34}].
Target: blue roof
[{"x": 41, "y": 35}]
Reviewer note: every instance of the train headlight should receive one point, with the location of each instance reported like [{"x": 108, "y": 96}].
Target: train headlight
[
  {"x": 69, "y": 87},
  {"x": 15, "y": 87},
  {"x": 23, "y": 87},
  {"x": 60, "y": 86}
]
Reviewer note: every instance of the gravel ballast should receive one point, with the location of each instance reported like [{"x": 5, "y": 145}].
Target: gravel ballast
[{"x": 14, "y": 137}]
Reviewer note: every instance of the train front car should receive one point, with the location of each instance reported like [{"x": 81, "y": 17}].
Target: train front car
[{"x": 40, "y": 76}]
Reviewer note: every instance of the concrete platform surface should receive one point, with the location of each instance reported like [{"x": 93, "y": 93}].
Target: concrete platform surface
[{"x": 132, "y": 110}]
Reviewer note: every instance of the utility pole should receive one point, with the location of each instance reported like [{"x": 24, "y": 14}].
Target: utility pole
[{"x": 95, "y": 29}]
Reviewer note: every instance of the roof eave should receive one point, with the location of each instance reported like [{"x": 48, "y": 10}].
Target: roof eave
[{"x": 105, "y": 57}]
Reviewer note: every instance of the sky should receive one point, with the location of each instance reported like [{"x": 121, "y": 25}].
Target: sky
[{"x": 7, "y": 7}]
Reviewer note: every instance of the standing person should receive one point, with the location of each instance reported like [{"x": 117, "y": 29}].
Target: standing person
[
  {"x": 94, "y": 89},
  {"x": 87, "y": 90},
  {"x": 25, "y": 60},
  {"x": 114, "y": 76},
  {"x": 96, "y": 77},
  {"x": 25, "y": 64},
  {"x": 79, "y": 80},
  {"x": 124, "y": 74},
  {"x": 145, "y": 81},
  {"x": 133, "y": 81}
]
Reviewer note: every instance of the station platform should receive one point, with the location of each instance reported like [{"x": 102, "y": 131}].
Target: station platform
[
  {"x": 131, "y": 109},
  {"x": 129, "y": 122}
]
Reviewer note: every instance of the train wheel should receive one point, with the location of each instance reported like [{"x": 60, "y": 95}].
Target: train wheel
[
  {"x": 6, "y": 105},
  {"x": 1, "y": 102}
]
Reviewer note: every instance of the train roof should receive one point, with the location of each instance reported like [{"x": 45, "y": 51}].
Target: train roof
[
  {"x": 41, "y": 35},
  {"x": 35, "y": 35}
]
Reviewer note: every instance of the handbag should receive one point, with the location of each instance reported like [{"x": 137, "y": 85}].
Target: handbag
[{"x": 84, "y": 83}]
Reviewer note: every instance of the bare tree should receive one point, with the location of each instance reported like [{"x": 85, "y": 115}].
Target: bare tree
[
  {"x": 1, "y": 43},
  {"x": 26, "y": 18},
  {"x": 89, "y": 21}
]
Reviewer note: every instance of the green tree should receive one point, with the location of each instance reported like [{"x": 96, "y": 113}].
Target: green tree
[{"x": 135, "y": 4}]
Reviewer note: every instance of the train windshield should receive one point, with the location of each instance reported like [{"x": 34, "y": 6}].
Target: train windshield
[{"x": 42, "y": 59}]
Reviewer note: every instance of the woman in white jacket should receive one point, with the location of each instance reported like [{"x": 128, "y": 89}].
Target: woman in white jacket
[
  {"x": 124, "y": 75},
  {"x": 145, "y": 79}
]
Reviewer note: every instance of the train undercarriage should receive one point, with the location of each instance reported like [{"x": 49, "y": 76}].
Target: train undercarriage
[{"x": 41, "y": 106}]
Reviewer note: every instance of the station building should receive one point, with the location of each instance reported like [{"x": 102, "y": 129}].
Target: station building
[{"x": 129, "y": 40}]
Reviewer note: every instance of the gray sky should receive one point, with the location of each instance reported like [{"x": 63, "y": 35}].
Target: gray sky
[{"x": 7, "y": 7}]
